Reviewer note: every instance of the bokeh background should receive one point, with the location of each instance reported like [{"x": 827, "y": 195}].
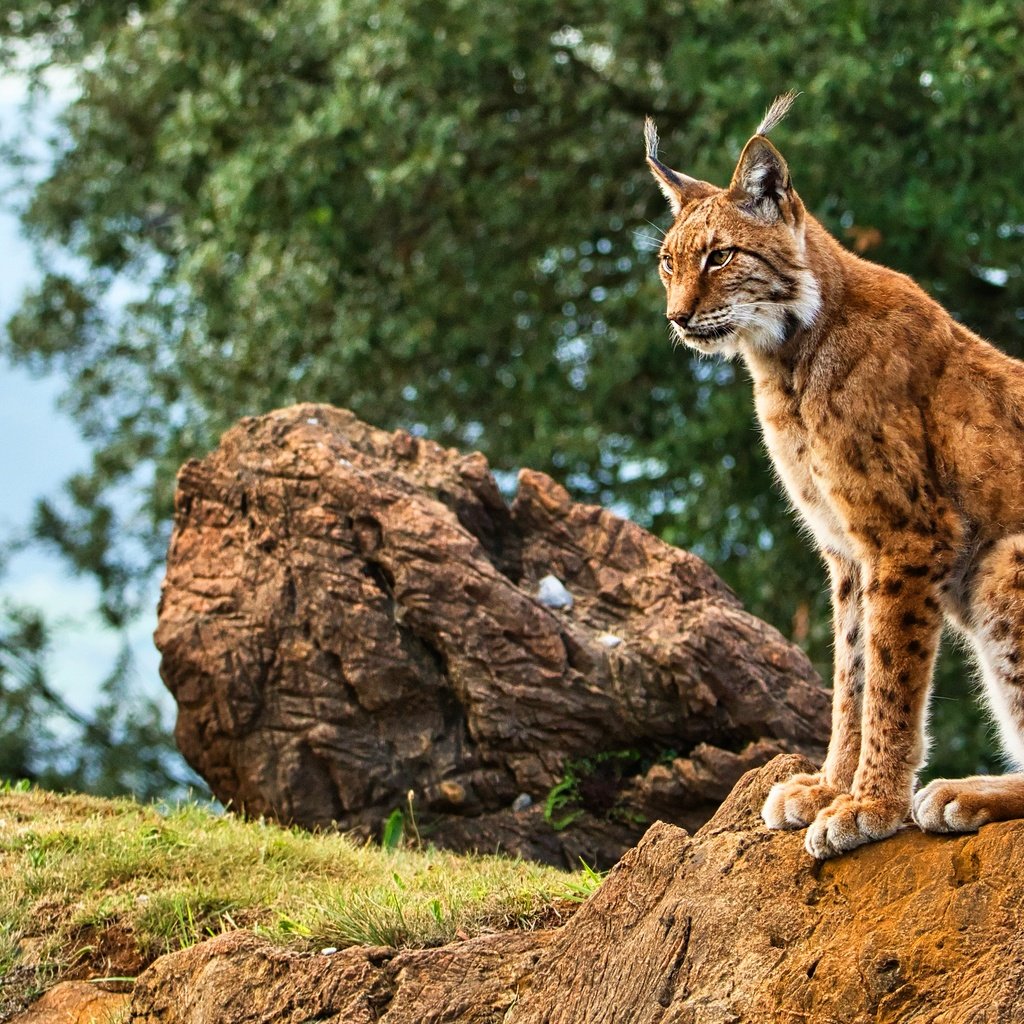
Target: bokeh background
[{"x": 437, "y": 215}]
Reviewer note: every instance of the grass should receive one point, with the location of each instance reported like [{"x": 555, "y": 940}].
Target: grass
[{"x": 101, "y": 887}]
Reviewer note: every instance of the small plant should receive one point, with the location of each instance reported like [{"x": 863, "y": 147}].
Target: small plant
[
  {"x": 394, "y": 830},
  {"x": 9, "y": 954},
  {"x": 562, "y": 795},
  {"x": 409, "y": 798},
  {"x": 593, "y": 784},
  {"x": 185, "y": 929},
  {"x": 581, "y": 888},
  {"x": 374, "y": 919},
  {"x": 436, "y": 912},
  {"x": 400, "y": 823},
  {"x": 183, "y": 918},
  {"x": 289, "y": 926}
]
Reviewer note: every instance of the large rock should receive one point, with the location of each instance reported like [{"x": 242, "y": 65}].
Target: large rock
[
  {"x": 736, "y": 924},
  {"x": 350, "y": 614}
]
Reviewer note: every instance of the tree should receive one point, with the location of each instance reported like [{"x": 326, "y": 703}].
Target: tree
[
  {"x": 438, "y": 216},
  {"x": 122, "y": 746}
]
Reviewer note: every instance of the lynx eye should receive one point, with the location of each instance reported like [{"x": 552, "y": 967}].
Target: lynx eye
[
  {"x": 666, "y": 263},
  {"x": 718, "y": 258}
]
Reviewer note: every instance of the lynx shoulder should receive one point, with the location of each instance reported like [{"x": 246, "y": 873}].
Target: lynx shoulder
[{"x": 898, "y": 435}]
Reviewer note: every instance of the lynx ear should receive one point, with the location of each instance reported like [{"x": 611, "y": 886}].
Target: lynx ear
[
  {"x": 679, "y": 189},
  {"x": 761, "y": 183}
]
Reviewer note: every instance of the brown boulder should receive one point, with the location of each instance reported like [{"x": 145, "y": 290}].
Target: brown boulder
[
  {"x": 350, "y": 614},
  {"x": 736, "y": 924}
]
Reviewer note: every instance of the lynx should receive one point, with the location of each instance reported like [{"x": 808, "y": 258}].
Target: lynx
[{"x": 899, "y": 438}]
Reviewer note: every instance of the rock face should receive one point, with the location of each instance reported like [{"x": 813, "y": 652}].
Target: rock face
[
  {"x": 76, "y": 1002},
  {"x": 736, "y": 924},
  {"x": 350, "y": 614}
]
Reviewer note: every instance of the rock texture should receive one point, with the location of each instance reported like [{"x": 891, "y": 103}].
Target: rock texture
[
  {"x": 736, "y": 924},
  {"x": 76, "y": 1002},
  {"x": 350, "y": 614}
]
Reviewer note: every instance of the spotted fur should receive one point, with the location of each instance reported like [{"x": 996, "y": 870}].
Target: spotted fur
[{"x": 898, "y": 435}]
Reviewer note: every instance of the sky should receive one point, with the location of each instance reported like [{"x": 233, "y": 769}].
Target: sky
[{"x": 40, "y": 449}]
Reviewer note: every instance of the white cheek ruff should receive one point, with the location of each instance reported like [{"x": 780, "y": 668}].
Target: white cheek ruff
[
  {"x": 807, "y": 304},
  {"x": 769, "y": 323}
]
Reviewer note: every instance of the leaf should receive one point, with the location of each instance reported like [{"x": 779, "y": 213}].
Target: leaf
[{"x": 394, "y": 830}]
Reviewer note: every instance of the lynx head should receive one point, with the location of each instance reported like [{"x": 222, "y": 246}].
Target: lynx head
[{"x": 733, "y": 262}]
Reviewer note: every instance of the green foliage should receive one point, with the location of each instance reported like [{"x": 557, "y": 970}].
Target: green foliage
[
  {"x": 401, "y": 827},
  {"x": 580, "y": 889},
  {"x": 962, "y": 734},
  {"x": 394, "y": 830},
  {"x": 593, "y": 784},
  {"x": 8, "y": 947},
  {"x": 561, "y": 795},
  {"x": 376, "y": 918},
  {"x": 438, "y": 216},
  {"x": 122, "y": 746},
  {"x": 177, "y": 920}
]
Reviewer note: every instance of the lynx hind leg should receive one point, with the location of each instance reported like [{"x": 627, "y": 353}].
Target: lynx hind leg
[
  {"x": 964, "y": 805},
  {"x": 997, "y": 631}
]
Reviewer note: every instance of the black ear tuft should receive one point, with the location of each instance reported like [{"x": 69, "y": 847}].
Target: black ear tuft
[
  {"x": 679, "y": 189},
  {"x": 776, "y": 112}
]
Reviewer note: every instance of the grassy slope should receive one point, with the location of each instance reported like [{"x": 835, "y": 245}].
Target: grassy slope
[{"x": 101, "y": 887}]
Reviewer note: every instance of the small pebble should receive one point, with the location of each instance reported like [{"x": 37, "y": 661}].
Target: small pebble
[
  {"x": 522, "y": 801},
  {"x": 609, "y": 640},
  {"x": 328, "y": 950},
  {"x": 552, "y": 593}
]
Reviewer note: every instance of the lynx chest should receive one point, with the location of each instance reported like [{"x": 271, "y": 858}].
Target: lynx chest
[{"x": 803, "y": 473}]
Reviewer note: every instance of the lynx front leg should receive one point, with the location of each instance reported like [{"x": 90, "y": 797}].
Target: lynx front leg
[
  {"x": 796, "y": 802},
  {"x": 902, "y": 622}
]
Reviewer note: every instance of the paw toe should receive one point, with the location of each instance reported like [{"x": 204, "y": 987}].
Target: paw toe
[
  {"x": 942, "y": 807},
  {"x": 795, "y": 802},
  {"x": 848, "y": 823},
  {"x": 774, "y": 812},
  {"x": 831, "y": 835}
]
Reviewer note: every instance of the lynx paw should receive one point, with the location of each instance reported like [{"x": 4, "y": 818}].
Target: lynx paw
[
  {"x": 849, "y": 822},
  {"x": 947, "y": 805},
  {"x": 796, "y": 802}
]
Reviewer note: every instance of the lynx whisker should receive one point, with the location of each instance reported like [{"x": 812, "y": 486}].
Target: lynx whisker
[{"x": 650, "y": 244}]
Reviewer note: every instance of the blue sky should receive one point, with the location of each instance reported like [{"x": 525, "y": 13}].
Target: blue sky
[{"x": 40, "y": 449}]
